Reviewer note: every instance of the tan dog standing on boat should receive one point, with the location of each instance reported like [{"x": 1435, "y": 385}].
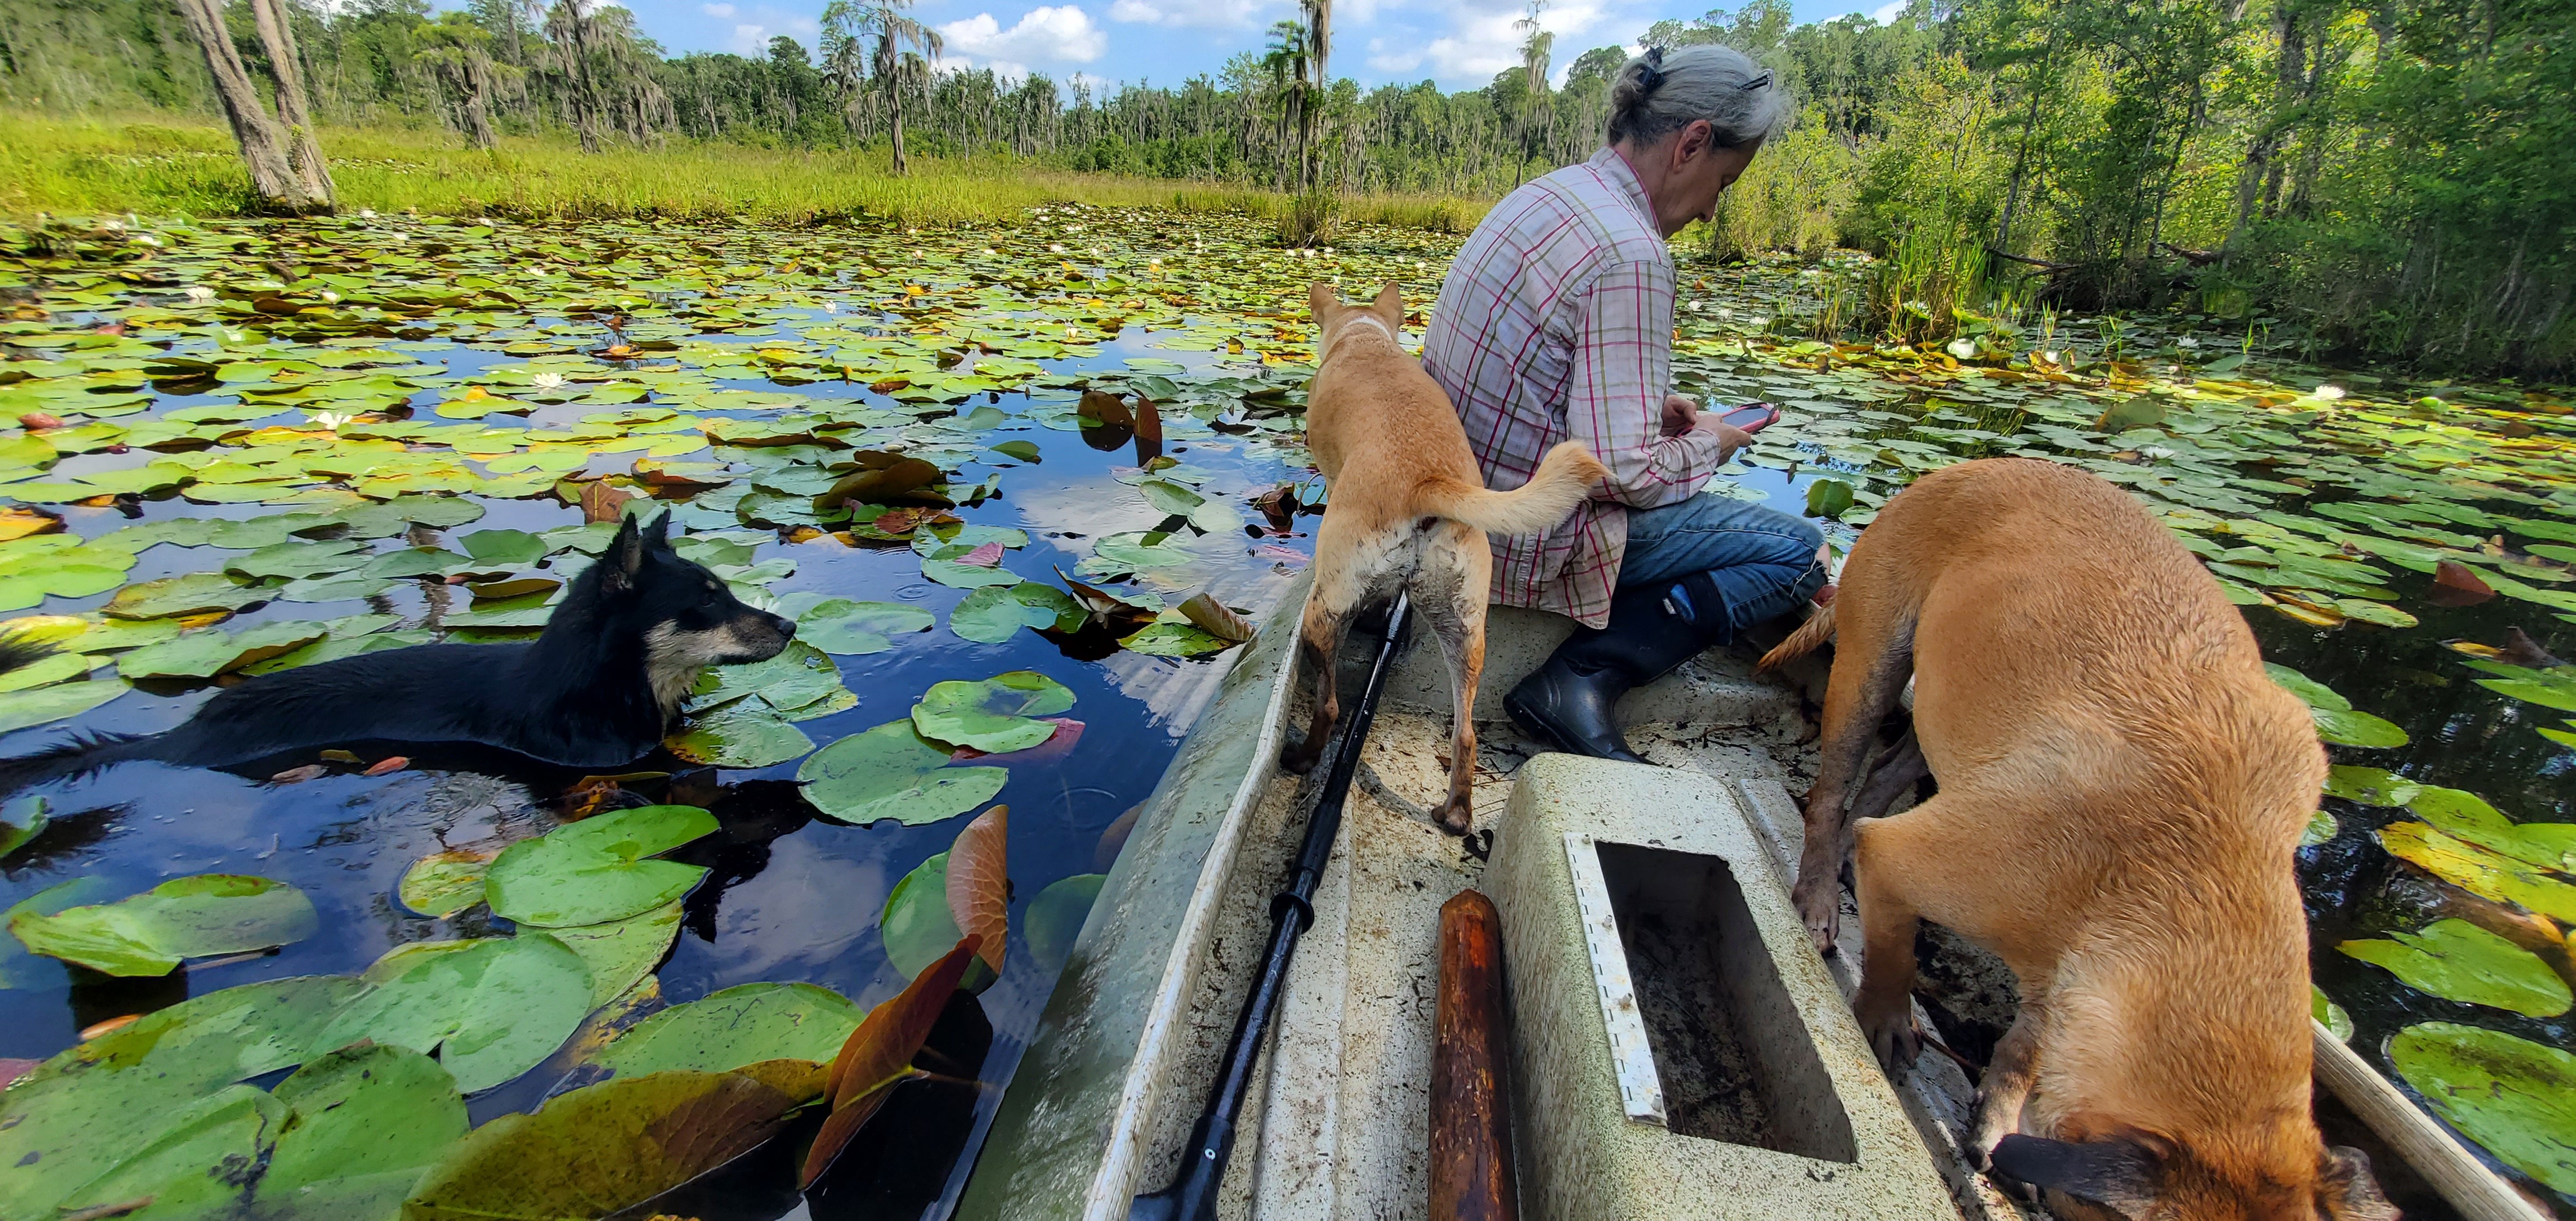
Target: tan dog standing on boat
[
  {"x": 2121, "y": 792},
  {"x": 1408, "y": 510}
]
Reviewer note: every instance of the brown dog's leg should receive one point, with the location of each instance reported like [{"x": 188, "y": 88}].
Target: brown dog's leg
[
  {"x": 1319, "y": 647},
  {"x": 1868, "y": 677},
  {"x": 2009, "y": 1077},
  {"x": 1449, "y": 594},
  {"x": 1898, "y": 768}
]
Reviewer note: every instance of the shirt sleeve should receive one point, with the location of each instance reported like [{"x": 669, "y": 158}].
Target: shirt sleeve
[{"x": 1615, "y": 399}]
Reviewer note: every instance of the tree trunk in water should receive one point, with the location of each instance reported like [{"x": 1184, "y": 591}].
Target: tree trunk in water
[
  {"x": 303, "y": 148},
  {"x": 895, "y": 96},
  {"x": 272, "y": 180}
]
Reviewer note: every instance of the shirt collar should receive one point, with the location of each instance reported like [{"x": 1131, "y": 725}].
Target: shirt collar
[{"x": 1610, "y": 165}]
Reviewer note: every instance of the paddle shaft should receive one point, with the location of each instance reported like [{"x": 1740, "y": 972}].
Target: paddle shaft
[{"x": 1192, "y": 1196}]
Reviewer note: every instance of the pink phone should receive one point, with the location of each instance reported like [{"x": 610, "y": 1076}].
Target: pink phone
[{"x": 1752, "y": 417}]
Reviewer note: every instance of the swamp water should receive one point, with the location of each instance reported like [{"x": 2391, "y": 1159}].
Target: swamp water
[{"x": 272, "y": 443}]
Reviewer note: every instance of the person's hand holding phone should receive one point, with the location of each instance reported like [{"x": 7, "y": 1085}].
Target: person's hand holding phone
[{"x": 1681, "y": 413}]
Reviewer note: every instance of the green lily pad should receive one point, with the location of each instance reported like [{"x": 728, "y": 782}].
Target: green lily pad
[
  {"x": 1175, "y": 640},
  {"x": 1134, "y": 552},
  {"x": 2458, "y": 961},
  {"x": 181, "y": 1167},
  {"x": 293, "y": 560},
  {"x": 598, "y": 869},
  {"x": 2329, "y": 1014},
  {"x": 889, "y": 771},
  {"x": 746, "y": 734},
  {"x": 444, "y": 883},
  {"x": 195, "y": 593},
  {"x": 192, "y": 917},
  {"x": 995, "y": 716},
  {"x": 1829, "y": 498},
  {"x": 2322, "y": 827},
  {"x": 918, "y": 927},
  {"x": 368, "y": 1121},
  {"x": 22, "y": 819},
  {"x": 840, "y": 625},
  {"x": 490, "y": 1009},
  {"x": 736, "y": 1027},
  {"x": 996, "y": 613},
  {"x": 945, "y": 568},
  {"x": 2514, "y": 1096},
  {"x": 622, "y": 952},
  {"x": 504, "y": 548},
  {"x": 799, "y": 675},
  {"x": 606, "y": 1147},
  {"x": 1056, "y": 916},
  {"x": 210, "y": 651},
  {"x": 2370, "y": 786},
  {"x": 21, "y": 709}
]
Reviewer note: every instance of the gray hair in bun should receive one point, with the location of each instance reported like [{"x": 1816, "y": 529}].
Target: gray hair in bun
[{"x": 1661, "y": 92}]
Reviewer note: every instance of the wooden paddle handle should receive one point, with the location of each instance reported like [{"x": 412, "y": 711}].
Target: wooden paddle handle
[{"x": 1471, "y": 1117}]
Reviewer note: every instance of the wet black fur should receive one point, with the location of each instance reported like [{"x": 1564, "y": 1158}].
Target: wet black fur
[{"x": 580, "y": 694}]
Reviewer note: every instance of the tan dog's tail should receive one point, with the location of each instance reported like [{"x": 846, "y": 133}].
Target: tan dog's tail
[
  {"x": 1564, "y": 478},
  {"x": 1810, "y": 636}
]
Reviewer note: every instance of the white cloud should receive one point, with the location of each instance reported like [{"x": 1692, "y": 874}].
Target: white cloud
[
  {"x": 1054, "y": 33},
  {"x": 1482, "y": 41},
  {"x": 750, "y": 39},
  {"x": 1384, "y": 60},
  {"x": 1191, "y": 14},
  {"x": 719, "y": 11},
  {"x": 1888, "y": 12}
]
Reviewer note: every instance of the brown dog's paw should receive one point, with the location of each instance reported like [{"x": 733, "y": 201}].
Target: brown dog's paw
[
  {"x": 1820, "y": 909},
  {"x": 1896, "y": 1042},
  {"x": 1296, "y": 759},
  {"x": 1454, "y": 816}
]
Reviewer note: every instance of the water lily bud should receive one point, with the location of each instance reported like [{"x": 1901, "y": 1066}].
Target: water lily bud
[{"x": 36, "y": 420}]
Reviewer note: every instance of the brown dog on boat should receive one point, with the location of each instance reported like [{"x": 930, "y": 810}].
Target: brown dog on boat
[
  {"x": 2121, "y": 792},
  {"x": 1409, "y": 510}
]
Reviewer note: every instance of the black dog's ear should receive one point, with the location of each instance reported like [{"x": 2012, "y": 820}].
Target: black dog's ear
[
  {"x": 2347, "y": 1192},
  {"x": 2118, "y": 1174},
  {"x": 624, "y": 557},
  {"x": 658, "y": 531}
]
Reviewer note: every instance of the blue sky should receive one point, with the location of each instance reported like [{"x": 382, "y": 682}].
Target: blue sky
[{"x": 1458, "y": 43}]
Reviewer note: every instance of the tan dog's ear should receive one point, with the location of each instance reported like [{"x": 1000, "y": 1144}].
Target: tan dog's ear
[
  {"x": 2346, "y": 1190},
  {"x": 1320, "y": 299},
  {"x": 1390, "y": 304}
]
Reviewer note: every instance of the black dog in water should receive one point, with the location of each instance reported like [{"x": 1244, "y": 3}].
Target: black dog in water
[{"x": 597, "y": 689}]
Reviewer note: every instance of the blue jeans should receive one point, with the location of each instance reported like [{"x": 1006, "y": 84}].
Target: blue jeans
[{"x": 1762, "y": 561}]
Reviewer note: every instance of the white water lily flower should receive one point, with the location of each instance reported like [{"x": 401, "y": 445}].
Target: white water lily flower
[
  {"x": 200, "y": 294},
  {"x": 2328, "y": 393},
  {"x": 1724, "y": 313},
  {"x": 1694, "y": 306},
  {"x": 1153, "y": 262},
  {"x": 1071, "y": 333},
  {"x": 2186, "y": 342},
  {"x": 330, "y": 296},
  {"x": 112, "y": 225},
  {"x": 988, "y": 250},
  {"x": 1055, "y": 248},
  {"x": 1757, "y": 322},
  {"x": 2054, "y": 358},
  {"x": 1073, "y": 228},
  {"x": 236, "y": 337},
  {"x": 547, "y": 381},
  {"x": 146, "y": 239},
  {"x": 366, "y": 214},
  {"x": 333, "y": 419},
  {"x": 831, "y": 307}
]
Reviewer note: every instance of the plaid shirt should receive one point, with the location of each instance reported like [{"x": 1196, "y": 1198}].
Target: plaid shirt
[{"x": 1556, "y": 322}]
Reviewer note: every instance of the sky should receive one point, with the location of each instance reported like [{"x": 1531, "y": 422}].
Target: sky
[{"x": 1460, "y": 44}]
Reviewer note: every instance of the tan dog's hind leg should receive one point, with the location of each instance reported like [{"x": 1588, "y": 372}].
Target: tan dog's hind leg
[
  {"x": 1881, "y": 875},
  {"x": 1319, "y": 637},
  {"x": 1870, "y": 669},
  {"x": 1449, "y": 593},
  {"x": 2010, "y": 1075}
]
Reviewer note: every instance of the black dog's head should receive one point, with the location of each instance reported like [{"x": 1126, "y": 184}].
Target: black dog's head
[{"x": 682, "y": 614}]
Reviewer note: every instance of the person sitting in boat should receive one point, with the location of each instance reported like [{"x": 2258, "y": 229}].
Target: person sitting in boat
[{"x": 1556, "y": 322}]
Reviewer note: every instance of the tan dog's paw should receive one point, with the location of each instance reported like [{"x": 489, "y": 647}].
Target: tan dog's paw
[{"x": 1454, "y": 816}]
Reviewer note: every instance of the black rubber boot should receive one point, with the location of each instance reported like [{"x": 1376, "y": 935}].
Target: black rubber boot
[{"x": 1569, "y": 701}]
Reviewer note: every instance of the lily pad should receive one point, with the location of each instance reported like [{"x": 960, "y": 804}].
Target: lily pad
[
  {"x": 799, "y": 675},
  {"x": 598, "y": 869},
  {"x": 22, "y": 819},
  {"x": 606, "y": 1147},
  {"x": 622, "y": 952},
  {"x": 889, "y": 771},
  {"x": 195, "y": 593},
  {"x": 2479, "y": 871},
  {"x": 840, "y": 625},
  {"x": 2329, "y": 1014},
  {"x": 996, "y": 716},
  {"x": 21, "y": 709},
  {"x": 368, "y": 1121},
  {"x": 1136, "y": 551},
  {"x": 2514, "y": 1096},
  {"x": 504, "y": 548},
  {"x": 207, "y": 652},
  {"x": 1055, "y": 918},
  {"x": 1175, "y": 640},
  {"x": 746, "y": 734},
  {"x": 191, "y": 917},
  {"x": 995, "y": 613},
  {"x": 491, "y": 1009},
  {"x": 2458, "y": 961},
  {"x": 2370, "y": 786},
  {"x": 736, "y": 1027},
  {"x": 444, "y": 883}
]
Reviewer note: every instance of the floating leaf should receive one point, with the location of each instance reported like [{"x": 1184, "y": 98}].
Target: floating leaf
[
  {"x": 491, "y": 1009},
  {"x": 509, "y": 548},
  {"x": 798, "y": 675},
  {"x": 748, "y": 734},
  {"x": 839, "y": 625},
  {"x": 2454, "y": 584},
  {"x": 368, "y": 1121},
  {"x": 2514, "y": 1096},
  {"x": 878, "y": 1055},
  {"x": 444, "y": 883},
  {"x": 191, "y": 917},
  {"x": 917, "y": 925},
  {"x": 182, "y": 1167},
  {"x": 21, "y": 709},
  {"x": 995, "y": 613},
  {"x": 193, "y": 594},
  {"x": 1174, "y": 640},
  {"x": 1216, "y": 618},
  {"x": 1135, "y": 551},
  {"x": 2458, "y": 961},
  {"x": 207, "y": 652},
  {"x": 996, "y": 716},
  {"x": 979, "y": 884},
  {"x": 2322, "y": 828},
  {"x": 2370, "y": 786},
  {"x": 2481, "y": 872},
  {"x": 621, "y": 953},
  {"x": 602, "y": 1148},
  {"x": 598, "y": 869},
  {"x": 2329, "y": 1014},
  {"x": 1055, "y": 918},
  {"x": 889, "y": 772},
  {"x": 735, "y": 1027},
  {"x": 1829, "y": 498},
  {"x": 22, "y": 819}
]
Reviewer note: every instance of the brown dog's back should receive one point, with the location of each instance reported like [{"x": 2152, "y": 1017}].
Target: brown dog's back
[{"x": 2122, "y": 789}]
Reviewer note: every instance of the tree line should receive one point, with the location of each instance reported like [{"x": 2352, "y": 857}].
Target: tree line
[{"x": 2387, "y": 175}]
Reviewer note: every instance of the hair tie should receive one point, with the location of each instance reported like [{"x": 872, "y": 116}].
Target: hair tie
[
  {"x": 1756, "y": 82},
  {"x": 1650, "y": 74}
]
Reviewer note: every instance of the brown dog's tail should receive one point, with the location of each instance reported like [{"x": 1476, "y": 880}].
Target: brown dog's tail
[
  {"x": 1810, "y": 636},
  {"x": 1564, "y": 478}
]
